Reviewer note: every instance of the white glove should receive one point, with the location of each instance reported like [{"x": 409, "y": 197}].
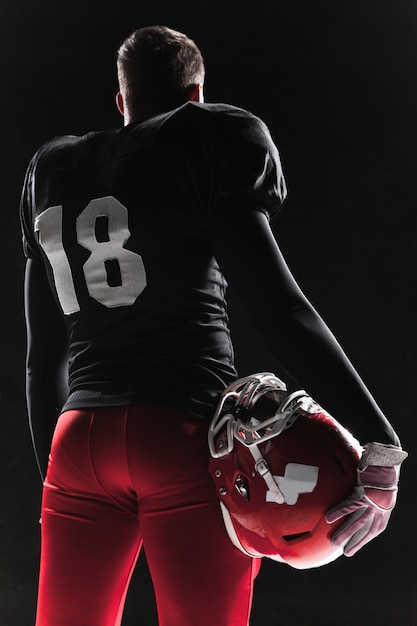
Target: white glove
[{"x": 368, "y": 508}]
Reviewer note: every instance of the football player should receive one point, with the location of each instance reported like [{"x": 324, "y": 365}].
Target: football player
[{"x": 131, "y": 236}]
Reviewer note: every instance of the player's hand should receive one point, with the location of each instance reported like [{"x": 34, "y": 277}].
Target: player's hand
[{"x": 368, "y": 508}]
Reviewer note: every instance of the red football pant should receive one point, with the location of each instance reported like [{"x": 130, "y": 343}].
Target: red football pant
[{"x": 120, "y": 477}]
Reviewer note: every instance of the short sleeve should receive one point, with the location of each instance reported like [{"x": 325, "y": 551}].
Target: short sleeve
[
  {"x": 248, "y": 166},
  {"x": 30, "y": 245}
]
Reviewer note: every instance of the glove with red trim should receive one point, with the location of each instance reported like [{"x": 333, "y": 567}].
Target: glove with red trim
[{"x": 368, "y": 508}]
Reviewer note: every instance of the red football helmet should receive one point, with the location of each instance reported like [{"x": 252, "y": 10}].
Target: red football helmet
[{"x": 279, "y": 462}]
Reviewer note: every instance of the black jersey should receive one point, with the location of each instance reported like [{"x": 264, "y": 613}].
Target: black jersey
[{"x": 123, "y": 220}]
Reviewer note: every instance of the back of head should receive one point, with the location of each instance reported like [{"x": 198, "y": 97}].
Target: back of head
[{"x": 156, "y": 66}]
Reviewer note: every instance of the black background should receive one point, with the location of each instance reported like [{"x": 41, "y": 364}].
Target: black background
[{"x": 336, "y": 83}]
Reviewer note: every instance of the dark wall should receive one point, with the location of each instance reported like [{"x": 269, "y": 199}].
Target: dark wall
[{"x": 336, "y": 84}]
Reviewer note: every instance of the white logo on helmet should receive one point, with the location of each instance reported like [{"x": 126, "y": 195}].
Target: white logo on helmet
[{"x": 296, "y": 480}]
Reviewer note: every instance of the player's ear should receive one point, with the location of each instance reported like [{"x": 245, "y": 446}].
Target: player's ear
[
  {"x": 120, "y": 103},
  {"x": 195, "y": 93}
]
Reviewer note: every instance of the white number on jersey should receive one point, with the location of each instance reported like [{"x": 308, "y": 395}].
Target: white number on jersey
[{"x": 130, "y": 265}]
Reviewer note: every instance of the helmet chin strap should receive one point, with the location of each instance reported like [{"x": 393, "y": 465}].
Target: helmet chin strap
[{"x": 263, "y": 470}]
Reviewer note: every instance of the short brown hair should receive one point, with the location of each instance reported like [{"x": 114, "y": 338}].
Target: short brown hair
[{"x": 155, "y": 66}]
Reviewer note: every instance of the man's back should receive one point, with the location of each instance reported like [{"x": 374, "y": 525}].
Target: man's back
[{"x": 124, "y": 218}]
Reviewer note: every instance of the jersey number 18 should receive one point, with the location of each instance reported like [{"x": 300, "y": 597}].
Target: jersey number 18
[{"x": 130, "y": 265}]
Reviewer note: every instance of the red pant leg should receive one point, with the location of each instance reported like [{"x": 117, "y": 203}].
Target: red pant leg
[
  {"x": 115, "y": 476},
  {"x": 90, "y": 542},
  {"x": 199, "y": 576}
]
